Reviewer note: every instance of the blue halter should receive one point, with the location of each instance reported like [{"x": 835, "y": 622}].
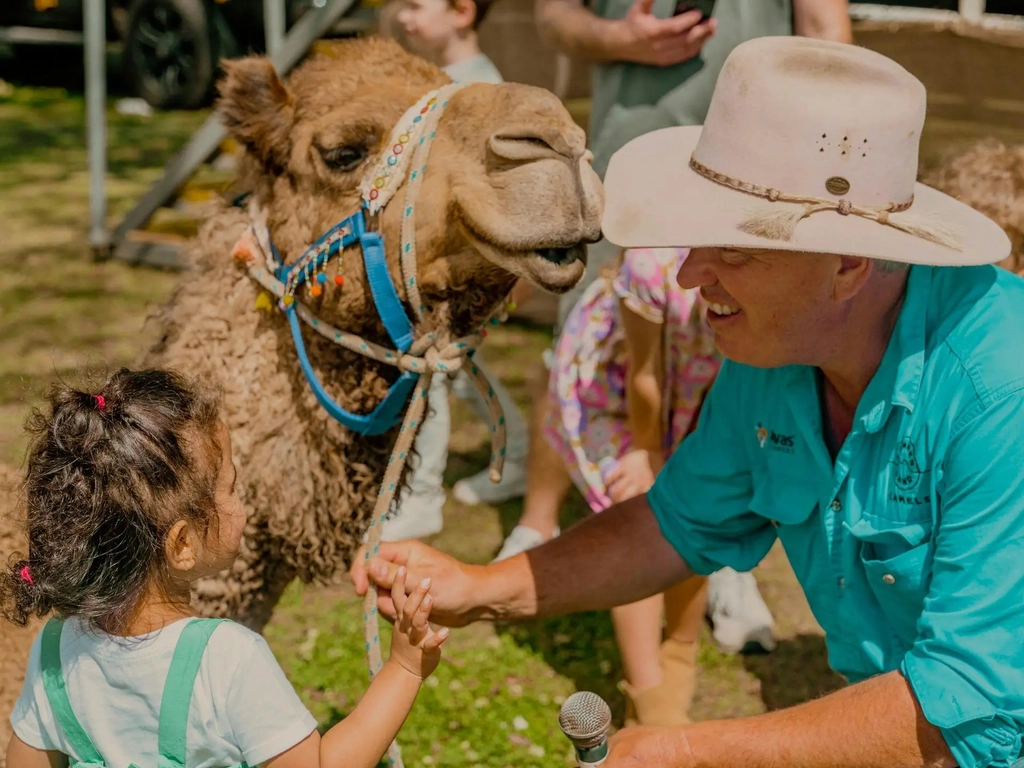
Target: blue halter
[{"x": 389, "y": 306}]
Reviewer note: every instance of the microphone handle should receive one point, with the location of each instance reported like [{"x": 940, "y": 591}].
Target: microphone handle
[{"x": 593, "y": 757}]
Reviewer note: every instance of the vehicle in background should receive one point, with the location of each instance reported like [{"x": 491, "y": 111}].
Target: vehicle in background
[{"x": 169, "y": 49}]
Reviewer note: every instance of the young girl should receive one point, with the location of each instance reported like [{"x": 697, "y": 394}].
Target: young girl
[
  {"x": 130, "y": 498},
  {"x": 630, "y": 372}
]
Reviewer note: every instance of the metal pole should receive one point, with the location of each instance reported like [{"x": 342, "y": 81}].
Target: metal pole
[
  {"x": 972, "y": 10},
  {"x": 274, "y": 24},
  {"x": 96, "y": 126}
]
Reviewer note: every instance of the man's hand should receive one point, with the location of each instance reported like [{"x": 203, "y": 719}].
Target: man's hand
[
  {"x": 454, "y": 585},
  {"x": 645, "y": 747},
  {"x": 643, "y": 38}
]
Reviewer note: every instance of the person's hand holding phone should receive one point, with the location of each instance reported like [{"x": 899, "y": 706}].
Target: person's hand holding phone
[{"x": 646, "y": 39}]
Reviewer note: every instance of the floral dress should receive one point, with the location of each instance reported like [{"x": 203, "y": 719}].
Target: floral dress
[{"x": 587, "y": 421}]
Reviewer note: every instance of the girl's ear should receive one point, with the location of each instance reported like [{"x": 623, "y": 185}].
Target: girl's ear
[
  {"x": 181, "y": 547},
  {"x": 465, "y": 12}
]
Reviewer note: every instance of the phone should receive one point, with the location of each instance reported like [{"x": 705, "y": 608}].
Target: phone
[{"x": 706, "y": 7}]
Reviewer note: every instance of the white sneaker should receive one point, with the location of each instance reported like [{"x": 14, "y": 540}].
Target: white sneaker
[
  {"x": 479, "y": 489},
  {"x": 417, "y": 516},
  {"x": 741, "y": 620},
  {"x": 521, "y": 539}
]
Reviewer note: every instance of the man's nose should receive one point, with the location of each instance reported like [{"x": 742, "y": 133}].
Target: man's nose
[{"x": 697, "y": 269}]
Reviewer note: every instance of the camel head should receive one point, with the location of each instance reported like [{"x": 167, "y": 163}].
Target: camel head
[{"x": 507, "y": 192}]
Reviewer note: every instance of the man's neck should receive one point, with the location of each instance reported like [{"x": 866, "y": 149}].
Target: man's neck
[
  {"x": 459, "y": 49},
  {"x": 862, "y": 342}
]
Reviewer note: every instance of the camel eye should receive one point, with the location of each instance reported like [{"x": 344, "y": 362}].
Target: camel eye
[{"x": 345, "y": 158}]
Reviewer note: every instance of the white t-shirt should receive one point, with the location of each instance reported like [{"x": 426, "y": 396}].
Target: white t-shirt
[
  {"x": 243, "y": 707},
  {"x": 475, "y": 69}
]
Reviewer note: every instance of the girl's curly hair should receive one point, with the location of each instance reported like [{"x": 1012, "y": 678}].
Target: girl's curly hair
[{"x": 108, "y": 474}]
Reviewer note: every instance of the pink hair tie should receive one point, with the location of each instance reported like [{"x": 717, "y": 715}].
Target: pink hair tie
[
  {"x": 101, "y": 401},
  {"x": 26, "y": 575}
]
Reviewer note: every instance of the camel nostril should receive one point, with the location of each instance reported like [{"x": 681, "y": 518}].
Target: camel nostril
[{"x": 521, "y": 146}]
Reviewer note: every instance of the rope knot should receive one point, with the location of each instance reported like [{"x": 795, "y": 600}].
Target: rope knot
[
  {"x": 773, "y": 195},
  {"x": 845, "y": 207}
]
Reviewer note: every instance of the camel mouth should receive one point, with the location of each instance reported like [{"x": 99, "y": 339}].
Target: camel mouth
[{"x": 556, "y": 268}]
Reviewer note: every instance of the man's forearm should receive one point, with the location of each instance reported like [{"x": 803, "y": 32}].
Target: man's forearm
[
  {"x": 874, "y": 724},
  {"x": 613, "y": 558},
  {"x": 577, "y": 31}
]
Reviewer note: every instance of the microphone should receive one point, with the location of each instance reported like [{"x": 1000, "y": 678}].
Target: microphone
[{"x": 585, "y": 719}]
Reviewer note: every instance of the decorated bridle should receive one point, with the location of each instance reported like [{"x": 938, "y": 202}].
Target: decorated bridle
[{"x": 416, "y": 355}]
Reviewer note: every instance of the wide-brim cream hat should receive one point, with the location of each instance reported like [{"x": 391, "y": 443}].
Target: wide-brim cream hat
[{"x": 808, "y": 146}]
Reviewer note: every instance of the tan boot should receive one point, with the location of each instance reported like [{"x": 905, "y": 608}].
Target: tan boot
[
  {"x": 679, "y": 675},
  {"x": 656, "y": 706}
]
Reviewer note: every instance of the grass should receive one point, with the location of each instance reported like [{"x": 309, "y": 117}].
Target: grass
[{"x": 494, "y": 700}]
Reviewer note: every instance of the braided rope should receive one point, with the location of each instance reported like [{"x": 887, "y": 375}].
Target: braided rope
[
  {"x": 396, "y": 462},
  {"x": 412, "y": 188},
  {"x": 845, "y": 207},
  {"x": 424, "y": 358}
]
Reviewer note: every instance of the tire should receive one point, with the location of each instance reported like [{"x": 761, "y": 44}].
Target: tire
[{"x": 171, "y": 52}]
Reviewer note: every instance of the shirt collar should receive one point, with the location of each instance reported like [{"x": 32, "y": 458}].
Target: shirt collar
[{"x": 898, "y": 378}]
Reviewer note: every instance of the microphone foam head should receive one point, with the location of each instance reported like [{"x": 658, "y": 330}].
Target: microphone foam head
[{"x": 585, "y": 719}]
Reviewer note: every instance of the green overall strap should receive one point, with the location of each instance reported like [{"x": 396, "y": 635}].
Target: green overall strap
[
  {"x": 57, "y": 694},
  {"x": 177, "y": 697}
]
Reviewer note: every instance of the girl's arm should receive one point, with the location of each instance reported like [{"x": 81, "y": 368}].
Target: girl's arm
[
  {"x": 644, "y": 380},
  {"x": 636, "y": 470},
  {"x": 364, "y": 736},
  {"x": 21, "y": 755}
]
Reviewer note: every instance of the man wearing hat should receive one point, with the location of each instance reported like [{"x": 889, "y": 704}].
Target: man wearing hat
[{"x": 869, "y": 415}]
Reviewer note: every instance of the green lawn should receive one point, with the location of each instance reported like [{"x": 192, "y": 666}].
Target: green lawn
[{"x": 494, "y": 700}]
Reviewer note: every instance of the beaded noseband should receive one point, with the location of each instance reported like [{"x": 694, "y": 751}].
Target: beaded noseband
[{"x": 417, "y": 356}]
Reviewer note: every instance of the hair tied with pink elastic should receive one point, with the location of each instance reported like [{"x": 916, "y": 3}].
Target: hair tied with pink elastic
[
  {"x": 26, "y": 574},
  {"x": 101, "y": 401}
]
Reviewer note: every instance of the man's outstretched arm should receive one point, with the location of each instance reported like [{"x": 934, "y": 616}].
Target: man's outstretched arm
[{"x": 610, "y": 559}]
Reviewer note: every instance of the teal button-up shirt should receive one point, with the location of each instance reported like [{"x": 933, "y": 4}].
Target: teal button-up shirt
[{"x": 910, "y": 546}]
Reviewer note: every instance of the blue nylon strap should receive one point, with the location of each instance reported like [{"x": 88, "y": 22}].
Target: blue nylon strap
[
  {"x": 380, "y": 419},
  {"x": 385, "y": 296}
]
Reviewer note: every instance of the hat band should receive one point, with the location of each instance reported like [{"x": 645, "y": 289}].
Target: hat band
[{"x": 779, "y": 222}]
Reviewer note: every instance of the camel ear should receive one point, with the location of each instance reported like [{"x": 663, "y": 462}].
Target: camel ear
[{"x": 257, "y": 109}]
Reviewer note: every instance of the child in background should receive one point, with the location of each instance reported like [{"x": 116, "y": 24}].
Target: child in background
[
  {"x": 630, "y": 372},
  {"x": 445, "y": 32},
  {"x": 130, "y": 498}
]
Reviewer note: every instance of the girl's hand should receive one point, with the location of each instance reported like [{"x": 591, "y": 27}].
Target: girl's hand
[
  {"x": 414, "y": 645},
  {"x": 634, "y": 474}
]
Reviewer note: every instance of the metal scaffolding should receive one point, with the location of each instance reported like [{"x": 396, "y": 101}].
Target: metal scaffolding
[{"x": 285, "y": 51}]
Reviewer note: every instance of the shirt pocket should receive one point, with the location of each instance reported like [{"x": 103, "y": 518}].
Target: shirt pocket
[{"x": 897, "y": 567}]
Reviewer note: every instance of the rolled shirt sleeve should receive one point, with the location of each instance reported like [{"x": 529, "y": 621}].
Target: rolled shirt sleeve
[
  {"x": 966, "y": 667},
  {"x": 702, "y": 496}
]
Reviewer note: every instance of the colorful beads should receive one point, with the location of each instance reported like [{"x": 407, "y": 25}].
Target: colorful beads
[
  {"x": 288, "y": 300},
  {"x": 339, "y": 280},
  {"x": 316, "y": 290},
  {"x": 263, "y": 302},
  {"x": 321, "y": 278}
]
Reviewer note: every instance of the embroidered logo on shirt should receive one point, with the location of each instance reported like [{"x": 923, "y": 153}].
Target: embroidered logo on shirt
[
  {"x": 906, "y": 475},
  {"x": 774, "y": 440}
]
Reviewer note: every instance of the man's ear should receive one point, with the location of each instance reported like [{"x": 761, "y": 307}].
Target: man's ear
[
  {"x": 851, "y": 276},
  {"x": 257, "y": 109}
]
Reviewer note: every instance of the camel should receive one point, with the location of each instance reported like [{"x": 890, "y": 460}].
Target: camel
[{"x": 507, "y": 192}]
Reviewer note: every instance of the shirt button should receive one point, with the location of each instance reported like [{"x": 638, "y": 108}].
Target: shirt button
[
  {"x": 837, "y": 505},
  {"x": 889, "y": 578}
]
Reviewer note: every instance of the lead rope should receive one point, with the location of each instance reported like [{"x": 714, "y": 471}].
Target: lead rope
[{"x": 423, "y": 357}]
